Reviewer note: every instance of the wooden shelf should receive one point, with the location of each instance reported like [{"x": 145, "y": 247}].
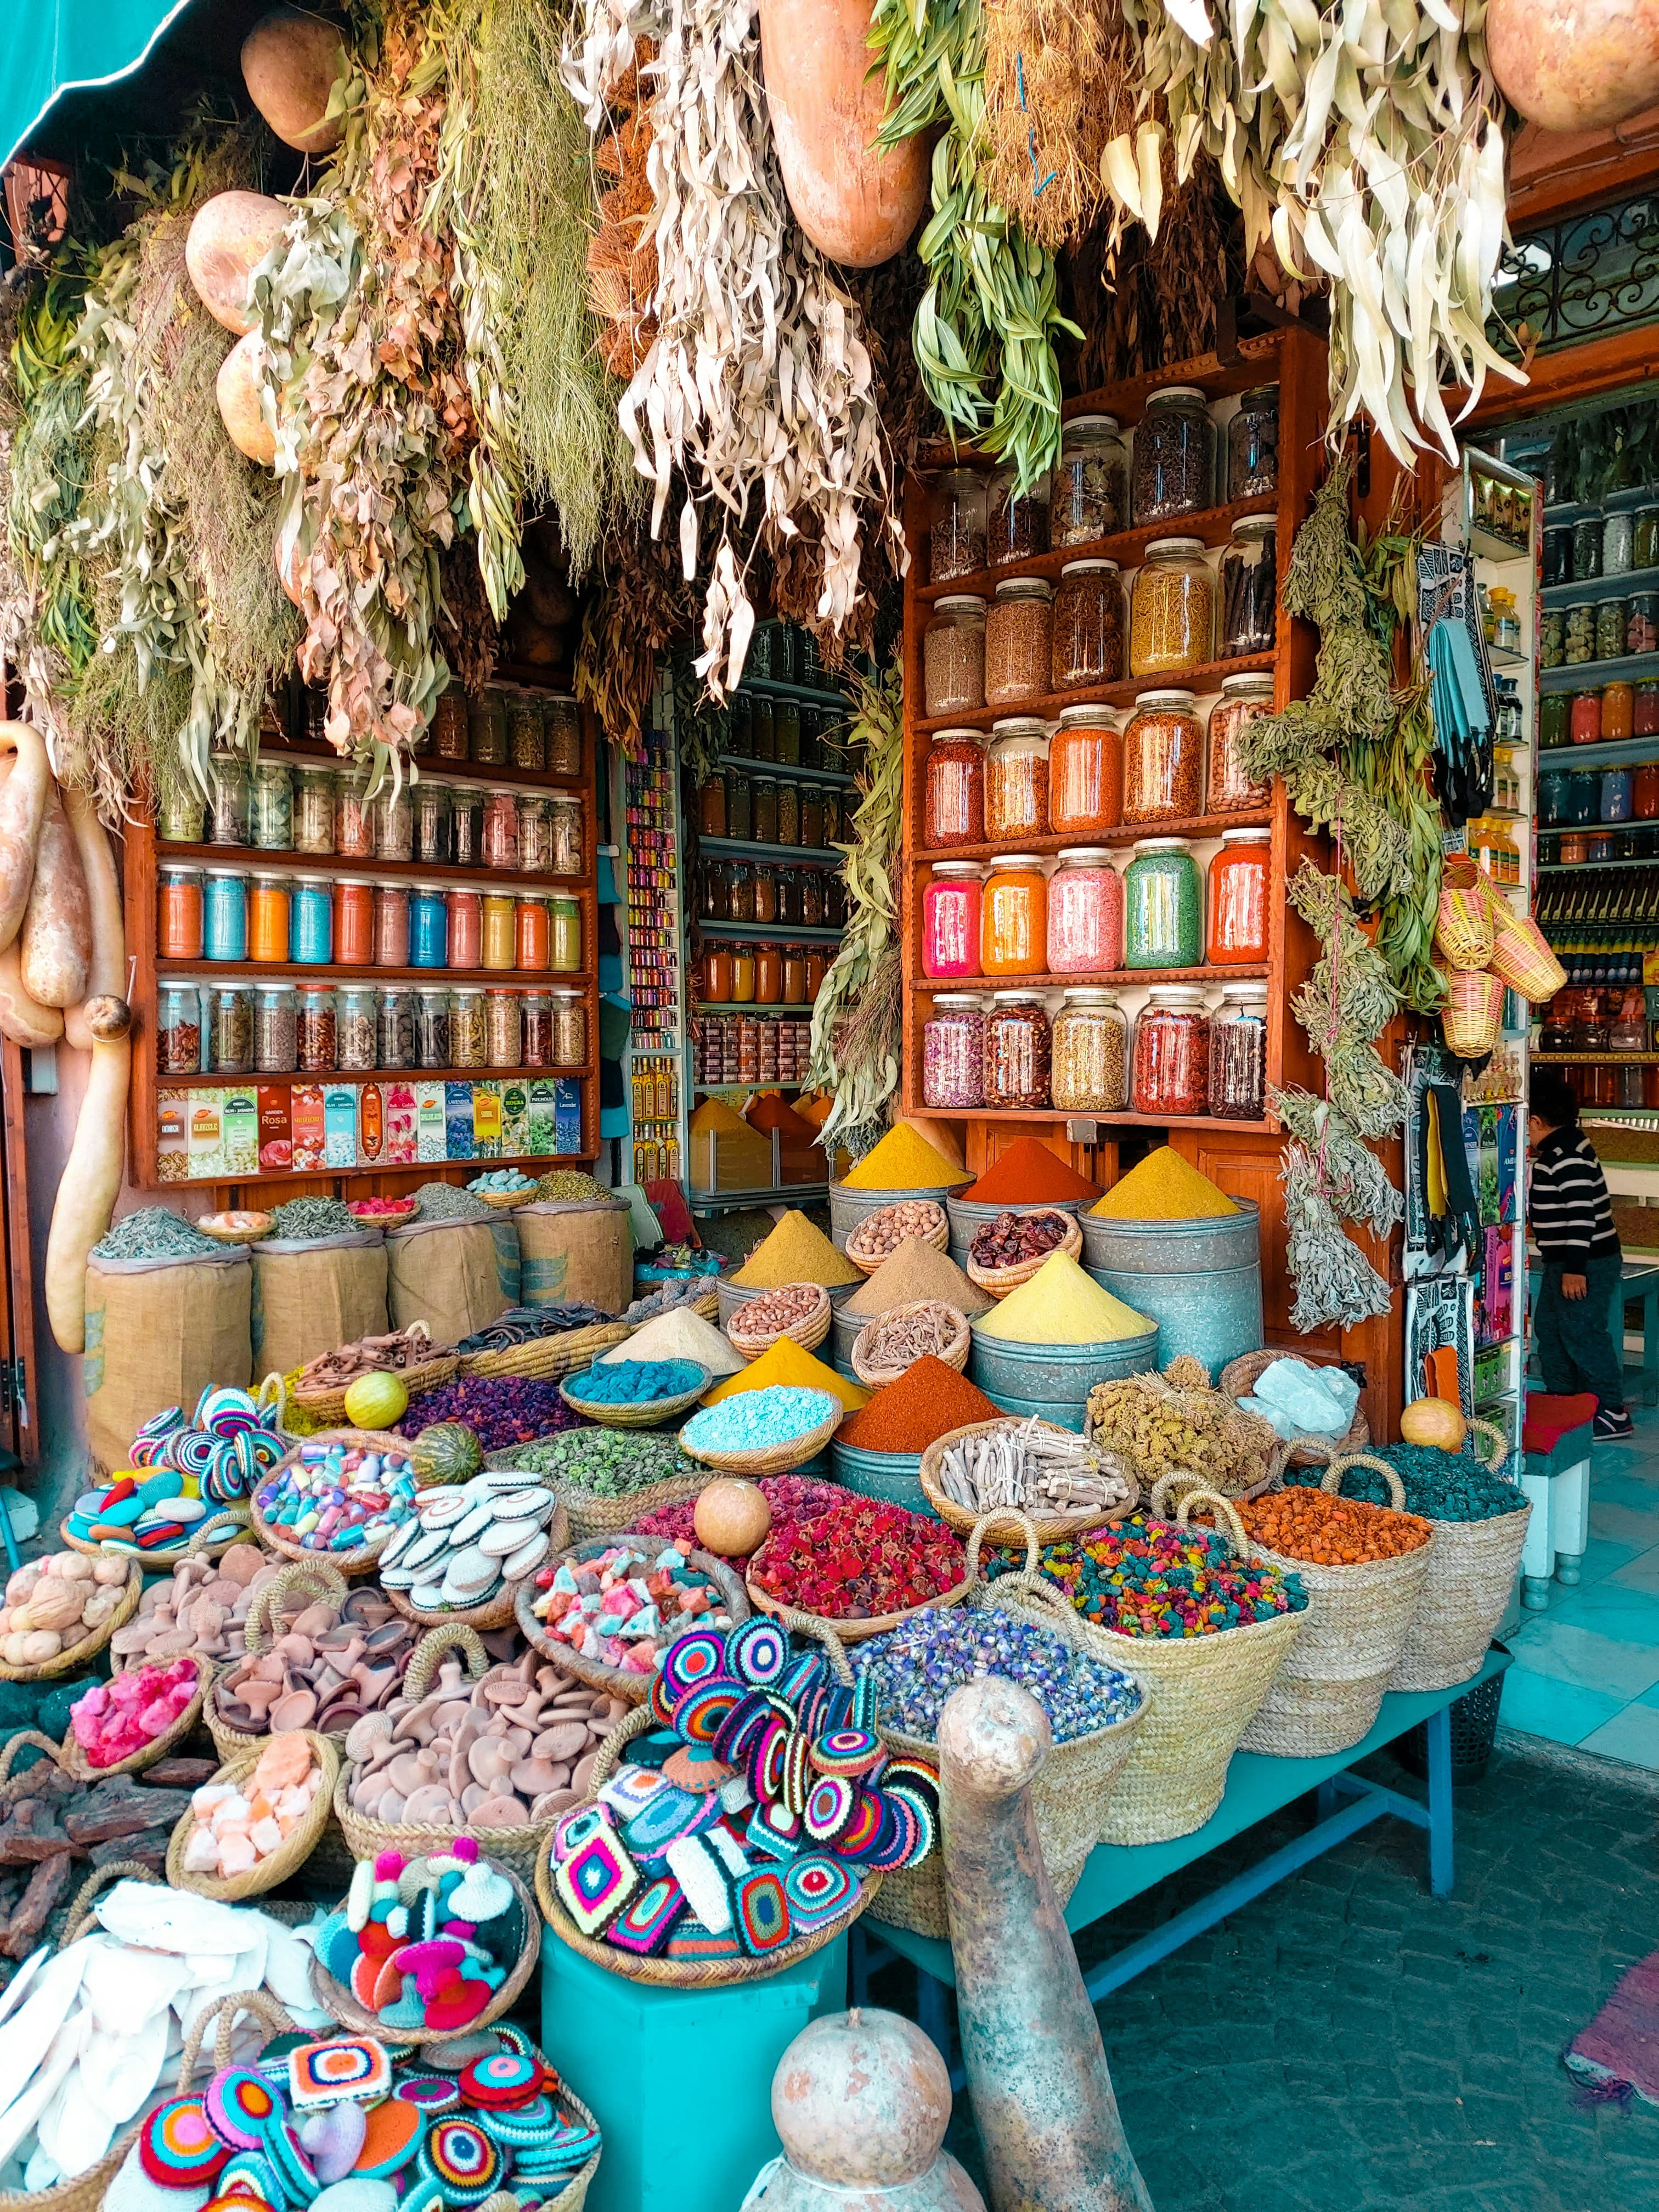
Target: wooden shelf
[
  {"x": 1199, "y": 828},
  {"x": 406, "y": 1173},
  {"x": 750, "y": 849},
  {"x": 1051, "y": 1115},
  {"x": 788, "y": 771},
  {"x": 799, "y": 1013},
  {"x": 334, "y": 868},
  {"x": 434, "y": 770},
  {"x": 269, "y": 1077},
  {"x": 935, "y": 984},
  {"x": 1199, "y": 681},
  {"x": 769, "y": 933},
  {"x": 1591, "y": 674},
  {"x": 1214, "y": 526},
  {"x": 1595, "y": 1059},
  {"x": 327, "y": 976},
  {"x": 1594, "y": 589}
]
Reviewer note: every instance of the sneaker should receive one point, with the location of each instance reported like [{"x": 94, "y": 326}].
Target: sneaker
[{"x": 1609, "y": 1424}]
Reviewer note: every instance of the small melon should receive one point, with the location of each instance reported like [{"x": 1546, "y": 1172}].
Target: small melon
[
  {"x": 446, "y": 1451},
  {"x": 230, "y": 236},
  {"x": 238, "y": 391},
  {"x": 731, "y": 1518},
  {"x": 375, "y": 1401},
  {"x": 290, "y": 60},
  {"x": 1433, "y": 1422}
]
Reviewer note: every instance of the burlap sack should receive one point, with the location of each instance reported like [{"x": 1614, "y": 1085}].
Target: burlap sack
[
  {"x": 452, "y": 1275},
  {"x": 576, "y": 1252},
  {"x": 311, "y": 1295},
  {"x": 159, "y": 1332}
]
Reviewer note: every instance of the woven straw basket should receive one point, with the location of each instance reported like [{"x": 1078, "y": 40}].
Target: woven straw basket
[
  {"x": 334, "y": 1998},
  {"x": 620, "y": 1681},
  {"x": 775, "y": 1459},
  {"x": 1463, "y": 927},
  {"x": 809, "y": 1332},
  {"x": 588, "y": 1514},
  {"x": 315, "y": 1581},
  {"x": 329, "y": 1406},
  {"x": 1472, "y": 1567},
  {"x": 955, "y": 1354},
  {"x": 365, "y": 1557},
  {"x": 1520, "y": 958},
  {"x": 1327, "y": 1695},
  {"x": 609, "y": 1414},
  {"x": 81, "y": 1768},
  {"x": 217, "y": 1533},
  {"x": 996, "y": 1282},
  {"x": 545, "y": 1359},
  {"x": 1050, "y": 1528},
  {"x": 75, "y": 1657},
  {"x": 859, "y": 1244},
  {"x": 1470, "y": 1016},
  {"x": 1239, "y": 1378},
  {"x": 290, "y": 1854}
]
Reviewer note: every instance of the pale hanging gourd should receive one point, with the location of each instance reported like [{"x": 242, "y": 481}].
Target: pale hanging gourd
[{"x": 1575, "y": 65}]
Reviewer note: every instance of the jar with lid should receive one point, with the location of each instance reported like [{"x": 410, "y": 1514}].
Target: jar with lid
[
  {"x": 1554, "y": 718},
  {"x": 465, "y": 927},
  {"x": 567, "y": 933},
  {"x": 1642, "y": 622},
  {"x": 466, "y": 1027},
  {"x": 766, "y": 891},
  {"x": 788, "y": 813},
  {"x": 1571, "y": 851},
  {"x": 181, "y": 813},
  {"x": 1016, "y": 523},
  {"x": 355, "y": 1044},
  {"x": 1552, "y": 637},
  {"x": 1243, "y": 699},
  {"x": 716, "y": 984},
  {"x": 1586, "y": 723},
  {"x": 433, "y": 841},
  {"x": 1238, "y": 898},
  {"x": 353, "y": 923},
  {"x": 225, "y": 915},
  {"x": 391, "y": 924},
  {"x": 1085, "y": 913},
  {"x": 501, "y": 827},
  {"x": 739, "y": 736},
  {"x": 394, "y": 824},
  {"x": 953, "y": 790},
  {"x": 1017, "y": 779},
  {"x": 536, "y": 1043},
  {"x": 817, "y": 967},
  {"x": 178, "y": 1029},
  {"x": 1618, "y": 544},
  {"x": 1087, "y": 626},
  {"x": 1253, "y": 444},
  {"x": 274, "y": 1043},
  {"x": 742, "y": 976},
  {"x": 812, "y": 818},
  {"x": 429, "y": 927},
  {"x": 499, "y": 925},
  {"x": 1085, "y": 772},
  {"x": 354, "y": 816},
  {"x": 568, "y": 1041},
  {"x": 179, "y": 910},
  {"x": 564, "y": 736},
  {"x": 950, "y": 919},
  {"x": 795, "y": 974},
  {"x": 1090, "y": 494},
  {"x": 313, "y": 1029},
  {"x": 527, "y": 735},
  {"x": 1162, "y": 906},
  {"x": 1552, "y": 798},
  {"x": 1558, "y": 555},
  {"x": 956, "y": 525},
  {"x": 1615, "y": 794},
  {"x": 449, "y": 724},
  {"x": 1618, "y": 712},
  {"x": 1017, "y": 1045},
  {"x": 503, "y": 1029},
  {"x": 1173, "y": 616},
  {"x": 431, "y": 1028},
  {"x": 466, "y": 825},
  {"x": 769, "y": 975},
  {"x": 763, "y": 810},
  {"x": 1238, "y": 1053},
  {"x": 565, "y": 836},
  {"x": 311, "y": 920},
  {"x": 1645, "y": 538},
  {"x": 271, "y": 809},
  {"x": 740, "y": 902},
  {"x": 535, "y": 837},
  {"x": 762, "y": 731},
  {"x": 953, "y": 655},
  {"x": 1584, "y": 799},
  {"x": 1249, "y": 587},
  {"x": 1644, "y": 714},
  {"x": 1163, "y": 759},
  {"x": 1644, "y": 792},
  {"x": 789, "y": 895},
  {"x": 832, "y": 816},
  {"x": 1172, "y": 1052},
  {"x": 1587, "y": 549},
  {"x": 834, "y": 901},
  {"x": 230, "y": 804},
  {"x": 1090, "y": 1069},
  {"x": 533, "y": 933},
  {"x": 814, "y": 914},
  {"x": 711, "y": 807},
  {"x": 314, "y": 805},
  {"x": 953, "y": 1051},
  {"x": 1173, "y": 456},
  {"x": 1580, "y": 636},
  {"x": 1018, "y": 642},
  {"x": 486, "y": 729},
  {"x": 1014, "y": 917},
  {"x": 739, "y": 804},
  {"x": 785, "y": 731},
  {"x": 1612, "y": 621}
]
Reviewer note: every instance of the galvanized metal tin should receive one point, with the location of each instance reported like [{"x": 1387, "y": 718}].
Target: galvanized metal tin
[
  {"x": 967, "y": 1218},
  {"x": 893, "y": 1477},
  {"x": 848, "y": 1207},
  {"x": 1054, "y": 1380},
  {"x": 1200, "y": 1281}
]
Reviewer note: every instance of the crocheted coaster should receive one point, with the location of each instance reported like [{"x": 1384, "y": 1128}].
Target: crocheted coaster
[
  {"x": 655, "y": 1748},
  {"x": 863, "y": 1831},
  {"x": 906, "y": 1794},
  {"x": 864, "y": 1699},
  {"x": 288, "y": 2155},
  {"x": 829, "y": 1810},
  {"x": 629, "y": 1789},
  {"x": 573, "y": 1829},
  {"x": 691, "y": 1659},
  {"x": 505, "y": 2078},
  {"x": 670, "y": 1815},
  {"x": 423, "y": 2195},
  {"x": 760, "y": 1912},
  {"x": 704, "y": 1879},
  {"x": 394, "y": 2129},
  {"x": 767, "y": 1768},
  {"x": 846, "y": 1751},
  {"x": 250, "y": 2177},
  {"x": 775, "y": 1831},
  {"x": 797, "y": 1770},
  {"x": 758, "y": 1651},
  {"x": 521, "y": 2125},
  {"x": 178, "y": 2148},
  {"x": 661, "y": 1700},
  {"x": 570, "y": 2144},
  {"x": 699, "y": 1712},
  {"x": 802, "y": 1675},
  {"x": 836, "y": 1709},
  {"x": 916, "y": 1775},
  {"x": 461, "y": 2159},
  {"x": 240, "y": 2106},
  {"x": 595, "y": 1883},
  {"x": 432, "y": 2094},
  {"x": 699, "y": 1946},
  {"x": 818, "y": 1889},
  {"x": 740, "y": 1728},
  {"x": 900, "y": 1830},
  {"x": 323, "y": 2073}
]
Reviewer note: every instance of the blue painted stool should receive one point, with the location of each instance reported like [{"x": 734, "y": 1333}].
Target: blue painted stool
[
  {"x": 680, "y": 2081},
  {"x": 1556, "y": 1441}
]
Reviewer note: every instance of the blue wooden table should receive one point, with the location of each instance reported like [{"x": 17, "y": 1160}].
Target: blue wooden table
[
  {"x": 1257, "y": 1787},
  {"x": 1639, "y": 1286}
]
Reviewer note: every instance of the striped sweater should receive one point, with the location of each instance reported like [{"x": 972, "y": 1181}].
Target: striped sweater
[{"x": 1568, "y": 1210}]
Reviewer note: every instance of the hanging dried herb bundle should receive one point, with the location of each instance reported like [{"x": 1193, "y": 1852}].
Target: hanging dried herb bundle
[
  {"x": 1146, "y": 301},
  {"x": 637, "y": 610},
  {"x": 1335, "y": 1284},
  {"x": 1059, "y": 83},
  {"x": 622, "y": 260}
]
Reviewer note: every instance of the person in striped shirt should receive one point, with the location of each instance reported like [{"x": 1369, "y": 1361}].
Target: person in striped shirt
[{"x": 1572, "y": 1224}]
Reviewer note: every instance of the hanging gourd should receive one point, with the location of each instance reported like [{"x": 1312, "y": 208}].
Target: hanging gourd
[
  {"x": 229, "y": 237},
  {"x": 1575, "y": 65},
  {"x": 289, "y": 64},
  {"x": 238, "y": 392}
]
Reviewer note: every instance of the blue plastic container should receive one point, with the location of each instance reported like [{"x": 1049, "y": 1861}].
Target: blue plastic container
[
  {"x": 1200, "y": 1281},
  {"x": 310, "y": 924},
  {"x": 429, "y": 928},
  {"x": 224, "y": 916},
  {"x": 893, "y": 1477}
]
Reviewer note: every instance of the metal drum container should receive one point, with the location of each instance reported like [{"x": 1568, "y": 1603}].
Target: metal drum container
[
  {"x": 1200, "y": 1281},
  {"x": 1054, "y": 1380},
  {"x": 894, "y": 1478}
]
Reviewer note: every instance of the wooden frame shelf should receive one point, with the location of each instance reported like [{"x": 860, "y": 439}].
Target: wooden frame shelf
[
  {"x": 327, "y": 976},
  {"x": 1200, "y": 829},
  {"x": 1058, "y": 1116},
  {"x": 1123, "y": 693},
  {"x": 1214, "y": 527},
  {"x": 431, "y": 769},
  {"x": 337, "y": 867},
  {"x": 221, "y": 1079}
]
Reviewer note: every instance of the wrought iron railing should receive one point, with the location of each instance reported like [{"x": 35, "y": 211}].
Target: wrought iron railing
[{"x": 1583, "y": 277}]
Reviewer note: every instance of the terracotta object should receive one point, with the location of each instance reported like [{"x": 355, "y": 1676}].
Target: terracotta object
[
  {"x": 1031, "y": 2044},
  {"x": 1575, "y": 65},
  {"x": 203, "y": 1610},
  {"x": 290, "y": 59},
  {"x": 856, "y": 205},
  {"x": 327, "y": 1667}
]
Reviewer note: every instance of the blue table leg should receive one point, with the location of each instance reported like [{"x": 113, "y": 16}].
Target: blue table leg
[
  {"x": 1326, "y": 1801},
  {"x": 1650, "y": 1344},
  {"x": 1442, "y": 1870},
  {"x": 857, "y": 1967},
  {"x": 932, "y": 2015}
]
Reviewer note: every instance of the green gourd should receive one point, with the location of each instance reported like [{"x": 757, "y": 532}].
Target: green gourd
[{"x": 448, "y": 1452}]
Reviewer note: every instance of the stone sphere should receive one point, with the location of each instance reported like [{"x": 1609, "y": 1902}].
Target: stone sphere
[{"x": 861, "y": 2097}]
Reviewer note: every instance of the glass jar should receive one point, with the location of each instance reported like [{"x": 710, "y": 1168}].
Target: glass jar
[
  {"x": 1644, "y": 544},
  {"x": 566, "y": 934},
  {"x": 449, "y": 724},
  {"x": 394, "y": 824},
  {"x": 1644, "y": 792},
  {"x": 1249, "y": 588},
  {"x": 535, "y": 835},
  {"x": 1017, "y": 1052},
  {"x": 1162, "y": 906},
  {"x": 1587, "y": 549},
  {"x": 953, "y": 790},
  {"x": 1253, "y": 444},
  {"x": 742, "y": 976},
  {"x": 313, "y": 1029},
  {"x": 390, "y": 925},
  {"x": 789, "y": 894},
  {"x": 433, "y": 842},
  {"x": 274, "y": 1038},
  {"x": 178, "y": 1029},
  {"x": 762, "y": 730},
  {"x": 832, "y": 815},
  {"x": 466, "y": 1027},
  {"x": 766, "y": 892},
  {"x": 1644, "y": 716},
  {"x": 764, "y": 810},
  {"x": 1085, "y": 913},
  {"x": 569, "y": 1045},
  {"x": 812, "y": 818},
  {"x": 739, "y": 804},
  {"x": 271, "y": 809},
  {"x": 950, "y": 918},
  {"x": 1173, "y": 614},
  {"x": 1572, "y": 851},
  {"x": 715, "y": 891},
  {"x": 1238, "y": 1053},
  {"x": 565, "y": 836},
  {"x": 789, "y": 814},
  {"x": 429, "y": 927},
  {"x": 353, "y": 923},
  {"x": 1090, "y": 1069},
  {"x": 1017, "y": 779},
  {"x": 1618, "y": 712},
  {"x": 1018, "y": 642},
  {"x": 533, "y": 933},
  {"x": 1088, "y": 625},
  {"x": 1239, "y": 905},
  {"x": 536, "y": 1044},
  {"x": 314, "y": 807},
  {"x": 740, "y": 901},
  {"x": 1229, "y": 790},
  {"x": 795, "y": 974},
  {"x": 499, "y": 928},
  {"x": 1586, "y": 725},
  {"x": 817, "y": 967},
  {"x": 265, "y": 921},
  {"x": 956, "y": 525},
  {"x": 230, "y": 800},
  {"x": 354, "y": 816},
  {"x": 1552, "y": 637},
  {"x": 1163, "y": 759},
  {"x": 501, "y": 827},
  {"x": 1558, "y": 555},
  {"x": 1618, "y": 544},
  {"x": 711, "y": 808},
  {"x": 1580, "y": 636},
  {"x": 785, "y": 731},
  {"x": 311, "y": 924},
  {"x": 486, "y": 729},
  {"x": 181, "y": 813},
  {"x": 1172, "y": 1052},
  {"x": 466, "y": 928},
  {"x": 1085, "y": 773},
  {"x": 953, "y": 655},
  {"x": 716, "y": 975},
  {"x": 1014, "y": 917},
  {"x": 564, "y": 736},
  {"x": 1089, "y": 499},
  {"x": 1553, "y": 799},
  {"x": 1612, "y": 621},
  {"x": 1615, "y": 795},
  {"x": 1173, "y": 456},
  {"x": 225, "y": 918},
  {"x": 526, "y": 734},
  {"x": 1642, "y": 622},
  {"x": 466, "y": 825},
  {"x": 769, "y": 975},
  {"x": 1016, "y": 523},
  {"x": 1583, "y": 803},
  {"x": 354, "y": 1040},
  {"x": 1554, "y": 718},
  {"x": 503, "y": 1029},
  {"x": 179, "y": 914},
  {"x": 813, "y": 912},
  {"x": 953, "y": 1051},
  {"x": 431, "y": 1028}
]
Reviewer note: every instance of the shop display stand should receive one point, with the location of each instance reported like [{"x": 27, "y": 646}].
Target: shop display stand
[{"x": 653, "y": 861}]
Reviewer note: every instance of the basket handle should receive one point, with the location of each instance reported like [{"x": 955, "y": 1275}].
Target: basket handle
[
  {"x": 263, "y": 2008},
  {"x": 803, "y": 1624},
  {"x": 313, "y": 1577},
  {"x": 80, "y": 1911},
  {"x": 1023, "y": 1523},
  {"x": 637, "y": 1723},
  {"x": 206, "y": 1534},
  {"x": 1499, "y": 1441},
  {"x": 1331, "y": 1480},
  {"x": 40, "y": 1743},
  {"x": 1224, "y": 1509},
  {"x": 423, "y": 1660},
  {"x": 277, "y": 1396}
]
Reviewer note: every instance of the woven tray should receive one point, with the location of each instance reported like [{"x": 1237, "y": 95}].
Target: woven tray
[
  {"x": 295, "y": 1850},
  {"x": 545, "y": 1359},
  {"x": 331, "y": 1406},
  {"x": 76, "y": 1655},
  {"x": 996, "y": 1282},
  {"x": 809, "y": 1332},
  {"x": 955, "y": 1353},
  {"x": 776, "y": 1459},
  {"x": 503, "y": 1201},
  {"x": 217, "y": 1533},
  {"x": 1050, "y": 1528},
  {"x": 620, "y": 1681},
  {"x": 938, "y": 1236},
  {"x": 591, "y": 1515},
  {"x": 649, "y": 1416},
  {"x": 366, "y": 1558},
  {"x": 75, "y": 1761},
  {"x": 1239, "y": 1378},
  {"x": 498, "y": 1611},
  {"x": 338, "y": 2000}
]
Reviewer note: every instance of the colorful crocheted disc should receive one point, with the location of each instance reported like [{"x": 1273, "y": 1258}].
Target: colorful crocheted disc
[
  {"x": 797, "y": 1770},
  {"x": 649, "y": 1919},
  {"x": 865, "y": 1827},
  {"x": 801, "y": 1675},
  {"x": 758, "y": 1651},
  {"x": 699, "y": 1712},
  {"x": 740, "y": 1727},
  {"x": 864, "y": 1699},
  {"x": 661, "y": 1700},
  {"x": 423, "y": 2195},
  {"x": 249, "y": 2178},
  {"x": 178, "y": 2148},
  {"x": 846, "y": 1751},
  {"x": 837, "y": 1709},
  {"x": 772, "y": 1755},
  {"x": 461, "y": 2159},
  {"x": 595, "y": 1883},
  {"x": 394, "y": 2129},
  {"x": 830, "y": 1809},
  {"x": 916, "y": 1775},
  {"x": 906, "y": 1793},
  {"x": 817, "y": 1889},
  {"x": 324, "y": 2072},
  {"x": 431, "y": 2094},
  {"x": 288, "y": 2155},
  {"x": 898, "y": 1837},
  {"x": 240, "y": 2106},
  {"x": 760, "y": 1912},
  {"x": 692, "y": 1658},
  {"x": 771, "y": 1730},
  {"x": 523, "y": 2127},
  {"x": 505, "y": 2077}
]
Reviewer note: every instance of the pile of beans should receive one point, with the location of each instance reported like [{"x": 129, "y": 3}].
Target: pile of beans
[
  {"x": 882, "y": 1232},
  {"x": 765, "y": 1317},
  {"x": 1330, "y": 1532}
]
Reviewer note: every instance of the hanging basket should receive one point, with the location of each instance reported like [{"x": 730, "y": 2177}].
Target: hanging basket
[
  {"x": 1462, "y": 928},
  {"x": 1520, "y": 958},
  {"x": 1470, "y": 1018}
]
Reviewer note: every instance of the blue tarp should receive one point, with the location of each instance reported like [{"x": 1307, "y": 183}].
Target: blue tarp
[{"x": 49, "y": 47}]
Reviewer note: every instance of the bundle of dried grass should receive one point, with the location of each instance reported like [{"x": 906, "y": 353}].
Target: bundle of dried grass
[
  {"x": 622, "y": 265},
  {"x": 1059, "y": 86},
  {"x": 1146, "y": 302},
  {"x": 638, "y": 610}
]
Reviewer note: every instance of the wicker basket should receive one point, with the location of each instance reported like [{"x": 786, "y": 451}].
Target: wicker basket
[
  {"x": 389, "y": 1216},
  {"x": 314, "y": 1579},
  {"x": 545, "y": 1359},
  {"x": 76, "y": 1655},
  {"x": 338, "y": 2000},
  {"x": 217, "y": 1533},
  {"x": 330, "y": 1406},
  {"x": 291, "y": 1854},
  {"x": 1327, "y": 1695},
  {"x": 366, "y": 1557},
  {"x": 503, "y": 1201},
  {"x": 955, "y": 1354},
  {"x": 1239, "y": 1378},
  {"x": 938, "y": 1234},
  {"x": 996, "y": 1282},
  {"x": 1520, "y": 957},
  {"x": 588, "y": 1514},
  {"x": 496, "y": 1612},
  {"x": 260, "y": 1227},
  {"x": 845, "y": 1631},
  {"x": 620, "y": 1681},
  {"x": 76, "y": 1762},
  {"x": 673, "y": 1973},
  {"x": 649, "y": 1416},
  {"x": 775, "y": 1459},
  {"x": 1470, "y": 1018},
  {"x": 1463, "y": 927},
  {"x": 809, "y": 1332},
  {"x": 1049, "y": 1527}
]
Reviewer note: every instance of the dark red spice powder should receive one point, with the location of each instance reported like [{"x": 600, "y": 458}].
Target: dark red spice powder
[
  {"x": 1027, "y": 1174},
  {"x": 927, "y": 1401}
]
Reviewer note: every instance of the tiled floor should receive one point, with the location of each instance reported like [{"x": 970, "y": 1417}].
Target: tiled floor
[{"x": 1587, "y": 1671}]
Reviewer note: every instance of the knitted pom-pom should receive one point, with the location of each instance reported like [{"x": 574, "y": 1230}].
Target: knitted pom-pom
[
  {"x": 388, "y": 1866},
  {"x": 465, "y": 1847}
]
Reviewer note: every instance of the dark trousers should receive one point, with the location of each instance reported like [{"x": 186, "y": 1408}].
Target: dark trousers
[{"x": 1575, "y": 1347}]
